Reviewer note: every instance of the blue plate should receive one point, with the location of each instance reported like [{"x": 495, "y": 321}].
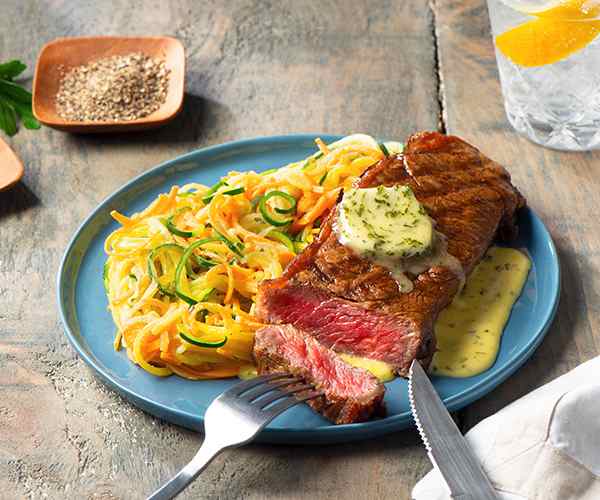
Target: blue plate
[{"x": 89, "y": 326}]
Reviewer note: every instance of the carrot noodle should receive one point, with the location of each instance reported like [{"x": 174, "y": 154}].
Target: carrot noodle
[
  {"x": 211, "y": 334},
  {"x": 322, "y": 146}
]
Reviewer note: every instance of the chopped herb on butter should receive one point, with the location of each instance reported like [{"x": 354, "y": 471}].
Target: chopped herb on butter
[
  {"x": 396, "y": 225},
  {"x": 389, "y": 226}
]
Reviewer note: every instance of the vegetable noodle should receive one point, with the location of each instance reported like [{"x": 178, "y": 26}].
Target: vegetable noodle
[{"x": 181, "y": 276}]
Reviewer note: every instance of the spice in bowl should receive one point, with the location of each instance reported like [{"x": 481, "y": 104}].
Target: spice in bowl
[{"x": 116, "y": 88}]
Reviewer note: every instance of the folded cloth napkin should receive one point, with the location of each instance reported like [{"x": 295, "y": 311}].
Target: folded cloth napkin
[{"x": 544, "y": 446}]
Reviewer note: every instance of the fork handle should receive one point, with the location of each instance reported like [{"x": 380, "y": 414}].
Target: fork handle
[{"x": 186, "y": 475}]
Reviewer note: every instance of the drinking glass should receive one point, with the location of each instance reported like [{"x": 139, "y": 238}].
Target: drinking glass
[{"x": 548, "y": 54}]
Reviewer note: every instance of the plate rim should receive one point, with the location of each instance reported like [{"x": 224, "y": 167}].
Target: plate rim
[{"x": 321, "y": 434}]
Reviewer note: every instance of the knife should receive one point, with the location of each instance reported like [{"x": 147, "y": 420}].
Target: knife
[{"x": 447, "y": 448}]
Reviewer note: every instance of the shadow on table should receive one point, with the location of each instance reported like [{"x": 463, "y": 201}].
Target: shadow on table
[
  {"x": 552, "y": 357},
  {"x": 387, "y": 466},
  {"x": 16, "y": 199},
  {"x": 198, "y": 118}
]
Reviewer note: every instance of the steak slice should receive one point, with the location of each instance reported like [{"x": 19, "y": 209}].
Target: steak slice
[
  {"x": 353, "y": 305},
  {"x": 350, "y": 394}
]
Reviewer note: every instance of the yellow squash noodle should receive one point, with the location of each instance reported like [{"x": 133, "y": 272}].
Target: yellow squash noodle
[{"x": 181, "y": 276}]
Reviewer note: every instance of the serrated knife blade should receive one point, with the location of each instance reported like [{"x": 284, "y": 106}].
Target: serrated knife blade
[{"x": 447, "y": 448}]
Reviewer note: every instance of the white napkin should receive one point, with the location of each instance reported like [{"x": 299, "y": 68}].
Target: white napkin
[{"x": 544, "y": 446}]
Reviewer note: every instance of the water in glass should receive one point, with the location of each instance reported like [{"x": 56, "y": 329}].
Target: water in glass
[{"x": 548, "y": 55}]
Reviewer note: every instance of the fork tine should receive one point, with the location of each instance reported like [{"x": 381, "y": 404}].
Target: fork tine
[
  {"x": 269, "y": 386},
  {"x": 281, "y": 393},
  {"x": 249, "y": 384},
  {"x": 280, "y": 407}
]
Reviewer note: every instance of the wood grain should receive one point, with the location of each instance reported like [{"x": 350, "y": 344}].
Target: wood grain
[
  {"x": 253, "y": 68},
  {"x": 561, "y": 187}
]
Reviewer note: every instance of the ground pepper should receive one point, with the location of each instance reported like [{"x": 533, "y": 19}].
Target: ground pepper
[{"x": 116, "y": 88}]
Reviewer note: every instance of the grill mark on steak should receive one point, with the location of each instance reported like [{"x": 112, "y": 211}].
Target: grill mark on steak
[
  {"x": 349, "y": 394},
  {"x": 353, "y": 305}
]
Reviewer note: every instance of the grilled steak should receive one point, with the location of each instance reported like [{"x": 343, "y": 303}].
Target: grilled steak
[
  {"x": 350, "y": 394},
  {"x": 351, "y": 304}
]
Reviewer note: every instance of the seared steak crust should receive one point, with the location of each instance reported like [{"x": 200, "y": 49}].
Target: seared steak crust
[{"x": 353, "y": 305}]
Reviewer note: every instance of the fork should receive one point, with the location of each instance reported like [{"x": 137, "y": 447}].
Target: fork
[{"x": 234, "y": 418}]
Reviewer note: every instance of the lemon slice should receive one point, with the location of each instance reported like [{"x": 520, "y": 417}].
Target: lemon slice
[
  {"x": 531, "y": 6},
  {"x": 545, "y": 41},
  {"x": 555, "y": 34},
  {"x": 563, "y": 9},
  {"x": 572, "y": 10}
]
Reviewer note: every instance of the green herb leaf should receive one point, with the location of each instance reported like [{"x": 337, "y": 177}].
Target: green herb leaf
[
  {"x": 14, "y": 91},
  {"x": 15, "y": 101},
  {"x": 24, "y": 112},
  {"x": 11, "y": 69},
  {"x": 8, "y": 118}
]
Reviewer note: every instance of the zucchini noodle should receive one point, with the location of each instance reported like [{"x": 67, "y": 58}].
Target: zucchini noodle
[{"x": 181, "y": 276}]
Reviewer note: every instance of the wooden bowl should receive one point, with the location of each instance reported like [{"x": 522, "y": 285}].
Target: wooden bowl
[
  {"x": 11, "y": 168},
  {"x": 70, "y": 52}
]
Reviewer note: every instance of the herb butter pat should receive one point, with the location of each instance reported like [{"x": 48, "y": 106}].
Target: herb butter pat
[
  {"x": 384, "y": 222},
  {"x": 388, "y": 226}
]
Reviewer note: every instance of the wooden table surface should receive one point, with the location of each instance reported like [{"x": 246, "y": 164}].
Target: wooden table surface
[{"x": 255, "y": 68}]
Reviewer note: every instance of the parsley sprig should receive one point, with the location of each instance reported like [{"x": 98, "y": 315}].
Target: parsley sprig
[{"x": 15, "y": 101}]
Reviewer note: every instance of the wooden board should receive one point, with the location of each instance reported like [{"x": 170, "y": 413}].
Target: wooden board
[
  {"x": 561, "y": 187},
  {"x": 253, "y": 68}
]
